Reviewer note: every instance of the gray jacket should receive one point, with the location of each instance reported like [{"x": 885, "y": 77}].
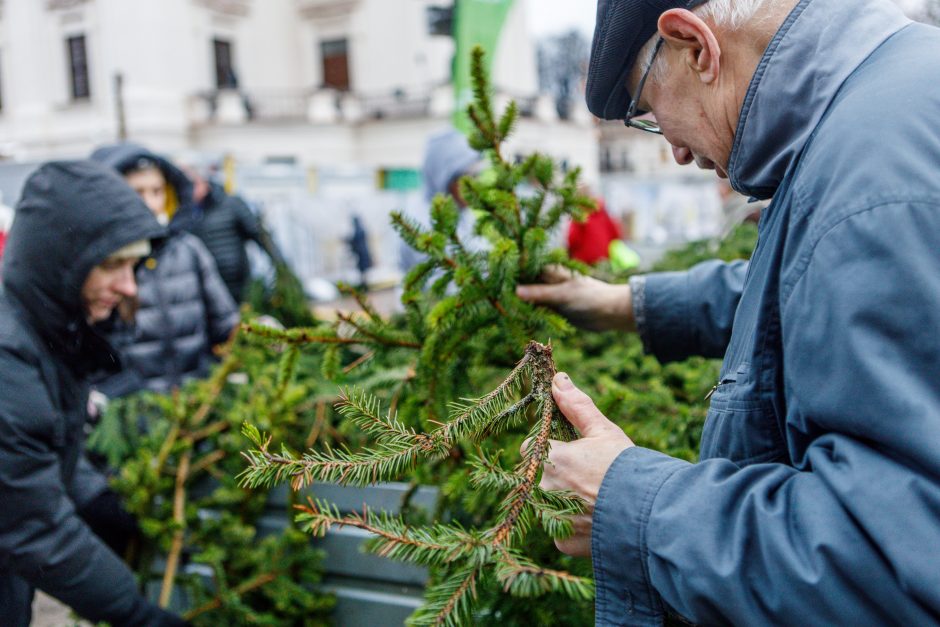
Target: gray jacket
[
  {"x": 817, "y": 497},
  {"x": 185, "y": 310},
  {"x": 225, "y": 226}
]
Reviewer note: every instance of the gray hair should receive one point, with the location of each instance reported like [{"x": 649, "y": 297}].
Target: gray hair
[{"x": 727, "y": 14}]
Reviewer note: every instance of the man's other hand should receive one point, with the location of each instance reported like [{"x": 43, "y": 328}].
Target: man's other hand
[
  {"x": 579, "y": 467},
  {"x": 586, "y": 302}
]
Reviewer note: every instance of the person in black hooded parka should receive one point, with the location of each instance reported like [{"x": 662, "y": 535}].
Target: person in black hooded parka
[
  {"x": 225, "y": 224},
  {"x": 62, "y": 272}
]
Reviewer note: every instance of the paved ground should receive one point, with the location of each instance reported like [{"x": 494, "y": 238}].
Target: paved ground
[{"x": 47, "y": 612}]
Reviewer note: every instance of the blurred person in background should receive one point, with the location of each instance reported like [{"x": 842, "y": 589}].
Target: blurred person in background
[
  {"x": 225, "y": 224},
  {"x": 183, "y": 308},
  {"x": 589, "y": 241},
  {"x": 447, "y": 158},
  {"x": 359, "y": 246},
  {"x": 78, "y": 232}
]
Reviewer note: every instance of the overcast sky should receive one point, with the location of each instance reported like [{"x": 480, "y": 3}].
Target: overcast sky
[{"x": 550, "y": 17}]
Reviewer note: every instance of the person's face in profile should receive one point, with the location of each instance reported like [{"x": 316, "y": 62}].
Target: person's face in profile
[{"x": 108, "y": 283}]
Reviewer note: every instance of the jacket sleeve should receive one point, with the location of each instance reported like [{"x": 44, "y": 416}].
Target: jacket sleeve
[
  {"x": 848, "y": 535},
  {"x": 221, "y": 310},
  {"x": 251, "y": 227},
  {"x": 248, "y": 222},
  {"x": 88, "y": 483},
  {"x": 681, "y": 314},
  {"x": 42, "y": 539}
]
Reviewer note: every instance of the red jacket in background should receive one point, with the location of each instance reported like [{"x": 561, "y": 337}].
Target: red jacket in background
[
  {"x": 590, "y": 241},
  {"x": 3, "y": 241}
]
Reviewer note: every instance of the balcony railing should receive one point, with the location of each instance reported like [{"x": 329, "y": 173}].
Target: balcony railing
[
  {"x": 327, "y": 106},
  {"x": 398, "y": 104}
]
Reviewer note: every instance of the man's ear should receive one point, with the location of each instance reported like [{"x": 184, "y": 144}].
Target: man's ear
[{"x": 686, "y": 32}]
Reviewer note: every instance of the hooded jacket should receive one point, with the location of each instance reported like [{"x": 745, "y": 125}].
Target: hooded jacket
[
  {"x": 817, "y": 497},
  {"x": 184, "y": 307},
  {"x": 447, "y": 157},
  {"x": 71, "y": 217},
  {"x": 225, "y": 225}
]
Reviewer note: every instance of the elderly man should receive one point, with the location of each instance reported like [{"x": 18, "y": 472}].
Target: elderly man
[{"x": 817, "y": 497}]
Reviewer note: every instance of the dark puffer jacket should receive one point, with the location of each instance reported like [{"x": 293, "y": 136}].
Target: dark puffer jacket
[
  {"x": 184, "y": 309},
  {"x": 72, "y": 216},
  {"x": 225, "y": 226}
]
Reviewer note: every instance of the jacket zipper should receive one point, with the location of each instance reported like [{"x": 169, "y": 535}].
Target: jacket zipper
[
  {"x": 712, "y": 391},
  {"x": 718, "y": 385}
]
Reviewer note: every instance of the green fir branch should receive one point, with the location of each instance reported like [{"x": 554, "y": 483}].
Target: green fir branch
[
  {"x": 449, "y": 603},
  {"x": 365, "y": 412},
  {"x": 521, "y": 578},
  {"x": 393, "y": 538}
]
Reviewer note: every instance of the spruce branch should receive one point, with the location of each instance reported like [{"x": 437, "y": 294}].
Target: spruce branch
[
  {"x": 397, "y": 448},
  {"x": 375, "y": 334},
  {"x": 520, "y": 577},
  {"x": 459, "y": 553},
  {"x": 179, "y": 519},
  {"x": 366, "y": 413},
  {"x": 516, "y": 506},
  {"x": 361, "y": 300},
  {"x": 392, "y": 537},
  {"x": 297, "y": 336},
  {"x": 390, "y": 458},
  {"x": 449, "y": 603},
  {"x": 243, "y": 588},
  {"x": 326, "y": 335}
]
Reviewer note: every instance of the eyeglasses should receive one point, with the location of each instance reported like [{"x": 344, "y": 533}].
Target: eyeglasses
[{"x": 650, "y": 126}]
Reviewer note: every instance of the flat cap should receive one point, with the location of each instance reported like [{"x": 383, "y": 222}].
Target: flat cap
[{"x": 623, "y": 27}]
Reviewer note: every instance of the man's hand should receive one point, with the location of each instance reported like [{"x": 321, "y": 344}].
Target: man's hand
[
  {"x": 586, "y": 302},
  {"x": 579, "y": 467}
]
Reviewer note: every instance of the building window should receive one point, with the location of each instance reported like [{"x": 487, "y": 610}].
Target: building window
[
  {"x": 78, "y": 68},
  {"x": 441, "y": 20},
  {"x": 335, "y": 54},
  {"x": 225, "y": 77}
]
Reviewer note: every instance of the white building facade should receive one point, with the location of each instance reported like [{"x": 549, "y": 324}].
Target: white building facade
[
  {"x": 311, "y": 99},
  {"x": 312, "y": 82}
]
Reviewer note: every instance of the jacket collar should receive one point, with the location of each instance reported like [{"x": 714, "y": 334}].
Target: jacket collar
[{"x": 812, "y": 54}]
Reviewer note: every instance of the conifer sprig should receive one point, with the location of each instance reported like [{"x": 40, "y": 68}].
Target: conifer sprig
[
  {"x": 461, "y": 555},
  {"x": 463, "y": 287},
  {"x": 398, "y": 449}
]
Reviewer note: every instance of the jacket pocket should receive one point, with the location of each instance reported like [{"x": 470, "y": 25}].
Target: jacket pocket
[{"x": 740, "y": 425}]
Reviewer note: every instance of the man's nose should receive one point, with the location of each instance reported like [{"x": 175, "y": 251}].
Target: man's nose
[{"x": 682, "y": 155}]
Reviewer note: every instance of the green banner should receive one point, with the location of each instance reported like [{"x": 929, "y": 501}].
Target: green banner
[
  {"x": 399, "y": 179},
  {"x": 476, "y": 22}
]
